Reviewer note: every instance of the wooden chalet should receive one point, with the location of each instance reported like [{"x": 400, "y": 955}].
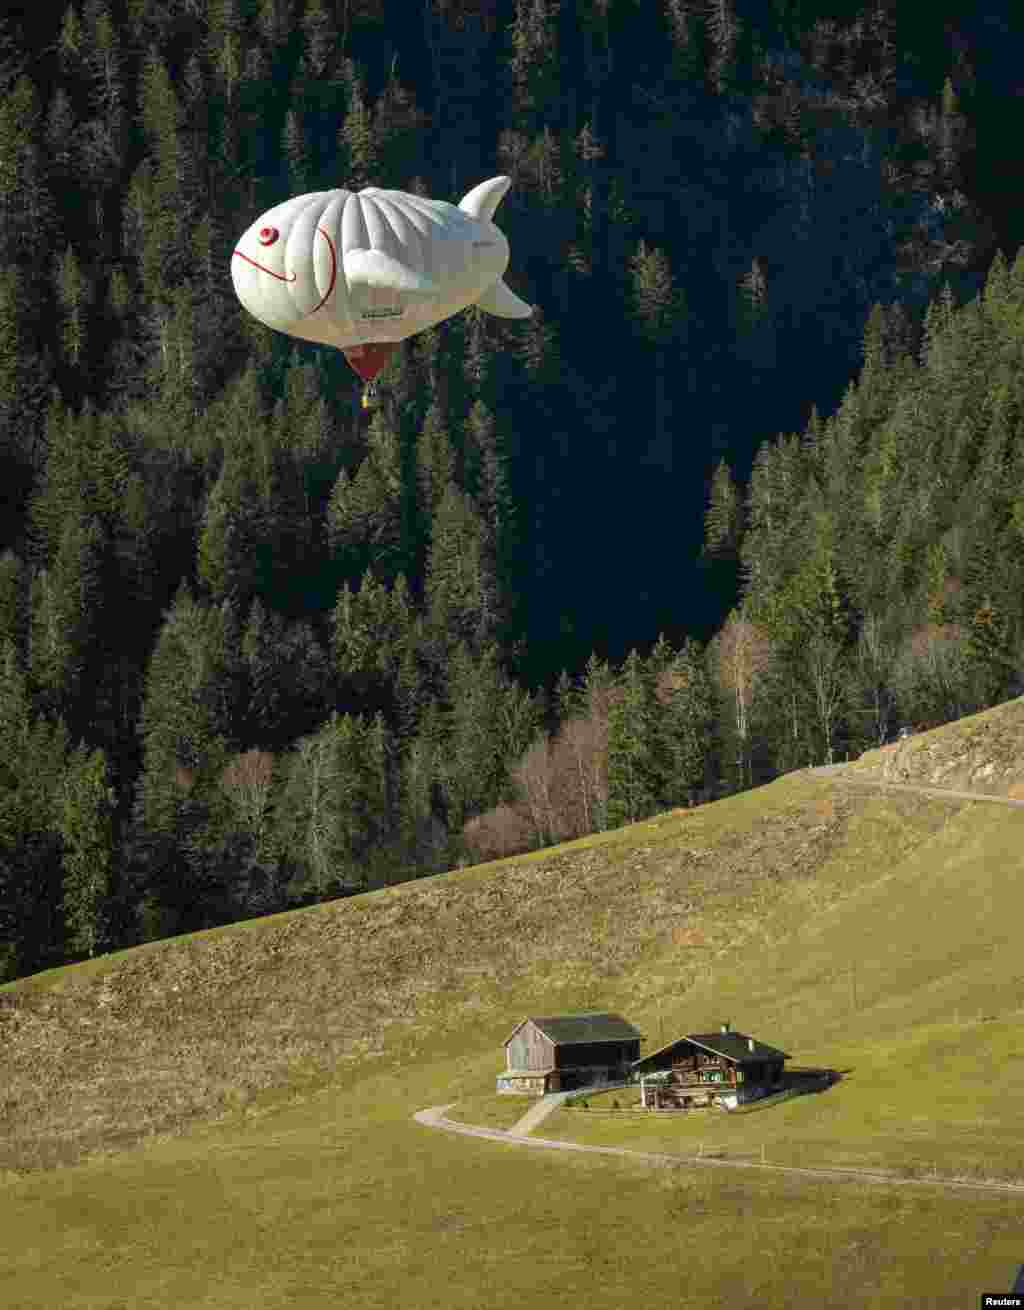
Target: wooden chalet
[
  {"x": 567, "y": 1051},
  {"x": 724, "y": 1068}
]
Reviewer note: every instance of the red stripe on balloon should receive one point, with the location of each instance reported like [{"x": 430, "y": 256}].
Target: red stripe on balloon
[{"x": 334, "y": 269}]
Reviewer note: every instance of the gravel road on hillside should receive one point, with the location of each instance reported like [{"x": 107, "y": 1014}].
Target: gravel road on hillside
[
  {"x": 434, "y": 1117},
  {"x": 829, "y": 771}
]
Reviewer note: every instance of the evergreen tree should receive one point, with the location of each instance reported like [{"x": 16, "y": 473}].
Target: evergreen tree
[
  {"x": 490, "y": 722},
  {"x": 722, "y": 526},
  {"x": 183, "y": 721},
  {"x": 461, "y": 594},
  {"x": 632, "y": 785},
  {"x": 421, "y": 831},
  {"x": 73, "y": 293},
  {"x": 687, "y": 33},
  {"x": 84, "y": 822},
  {"x": 371, "y": 633},
  {"x": 296, "y": 152},
  {"x": 287, "y": 680},
  {"x": 723, "y": 30},
  {"x": 334, "y": 809},
  {"x": 398, "y": 128},
  {"x": 659, "y": 310},
  {"x": 873, "y": 697},
  {"x": 31, "y": 930},
  {"x": 365, "y": 513},
  {"x": 356, "y": 137},
  {"x": 683, "y": 724},
  {"x": 15, "y": 585},
  {"x": 534, "y": 64}
]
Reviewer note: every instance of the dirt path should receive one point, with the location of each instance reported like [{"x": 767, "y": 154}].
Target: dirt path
[
  {"x": 537, "y": 1113},
  {"x": 434, "y": 1117},
  {"x": 829, "y": 770}
]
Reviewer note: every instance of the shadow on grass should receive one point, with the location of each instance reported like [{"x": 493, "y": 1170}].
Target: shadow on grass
[{"x": 796, "y": 1082}]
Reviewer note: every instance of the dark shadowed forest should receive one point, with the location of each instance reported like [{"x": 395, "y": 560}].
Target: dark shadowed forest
[{"x": 745, "y": 493}]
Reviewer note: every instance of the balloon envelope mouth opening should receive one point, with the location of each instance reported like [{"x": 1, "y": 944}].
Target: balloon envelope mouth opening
[{"x": 370, "y": 358}]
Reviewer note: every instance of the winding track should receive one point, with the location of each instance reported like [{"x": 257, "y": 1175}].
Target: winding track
[
  {"x": 829, "y": 771},
  {"x": 434, "y": 1116}
]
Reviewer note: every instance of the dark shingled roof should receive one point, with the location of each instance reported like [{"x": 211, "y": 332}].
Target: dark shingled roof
[
  {"x": 585, "y": 1026},
  {"x": 734, "y": 1046}
]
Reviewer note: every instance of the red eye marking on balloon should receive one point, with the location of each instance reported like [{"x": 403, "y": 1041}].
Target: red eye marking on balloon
[
  {"x": 282, "y": 278},
  {"x": 268, "y": 235}
]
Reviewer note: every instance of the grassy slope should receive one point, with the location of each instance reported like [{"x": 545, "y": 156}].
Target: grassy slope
[{"x": 262, "y": 1077}]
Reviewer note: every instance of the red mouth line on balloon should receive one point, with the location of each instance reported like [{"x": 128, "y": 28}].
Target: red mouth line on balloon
[{"x": 281, "y": 277}]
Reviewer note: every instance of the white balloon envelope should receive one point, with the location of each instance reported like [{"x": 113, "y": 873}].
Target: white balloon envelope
[{"x": 363, "y": 270}]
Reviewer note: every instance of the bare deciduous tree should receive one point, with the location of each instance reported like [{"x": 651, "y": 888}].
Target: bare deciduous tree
[
  {"x": 740, "y": 653},
  {"x": 825, "y": 667},
  {"x": 246, "y": 780},
  {"x": 931, "y": 673},
  {"x": 533, "y": 778},
  {"x": 876, "y": 655},
  {"x": 500, "y": 832}
]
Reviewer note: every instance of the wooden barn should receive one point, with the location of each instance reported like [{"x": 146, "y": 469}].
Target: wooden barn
[
  {"x": 724, "y": 1068},
  {"x": 567, "y": 1051}
]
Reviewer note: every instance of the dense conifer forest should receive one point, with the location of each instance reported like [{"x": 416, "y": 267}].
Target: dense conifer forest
[{"x": 745, "y": 493}]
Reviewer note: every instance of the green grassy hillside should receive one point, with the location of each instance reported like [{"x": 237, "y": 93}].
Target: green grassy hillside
[{"x": 224, "y": 1119}]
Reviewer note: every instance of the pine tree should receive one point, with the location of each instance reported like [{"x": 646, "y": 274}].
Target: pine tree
[
  {"x": 461, "y": 593},
  {"x": 422, "y": 834},
  {"x": 73, "y": 294},
  {"x": 31, "y": 930},
  {"x": 164, "y": 250},
  {"x": 723, "y": 30},
  {"x": 632, "y": 791},
  {"x": 356, "y": 137},
  {"x": 321, "y": 37},
  {"x": 84, "y": 819},
  {"x": 489, "y": 723},
  {"x": 65, "y": 609},
  {"x": 435, "y": 461},
  {"x": 296, "y": 152},
  {"x": 231, "y": 529},
  {"x": 334, "y": 810},
  {"x": 686, "y": 30},
  {"x": 683, "y": 724},
  {"x": 371, "y": 633},
  {"x": 722, "y": 526},
  {"x": 398, "y": 127},
  {"x": 183, "y": 720},
  {"x": 15, "y": 586},
  {"x": 659, "y": 310},
  {"x": 364, "y": 519},
  {"x": 534, "y": 64}
]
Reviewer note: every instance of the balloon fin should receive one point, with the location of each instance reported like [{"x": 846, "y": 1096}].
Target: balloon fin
[
  {"x": 499, "y": 300},
  {"x": 485, "y": 197},
  {"x": 372, "y": 268}
]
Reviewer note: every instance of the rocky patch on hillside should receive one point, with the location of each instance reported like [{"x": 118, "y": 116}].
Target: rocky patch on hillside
[{"x": 982, "y": 753}]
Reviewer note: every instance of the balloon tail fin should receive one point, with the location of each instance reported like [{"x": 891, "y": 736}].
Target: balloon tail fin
[{"x": 503, "y": 302}]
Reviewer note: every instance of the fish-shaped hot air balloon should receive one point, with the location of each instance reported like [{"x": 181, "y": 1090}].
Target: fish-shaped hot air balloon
[{"x": 363, "y": 270}]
